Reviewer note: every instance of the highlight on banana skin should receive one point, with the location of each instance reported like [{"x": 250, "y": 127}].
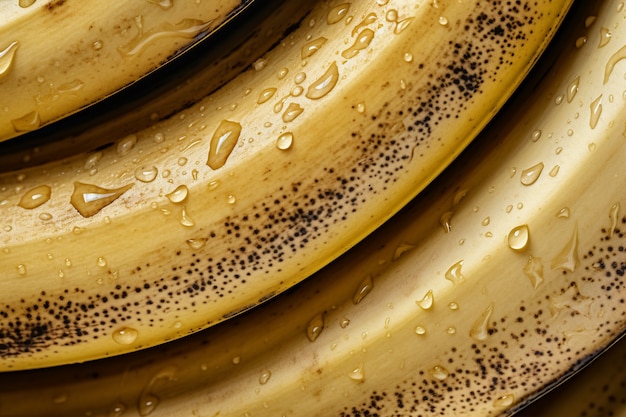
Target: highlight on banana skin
[{"x": 282, "y": 282}]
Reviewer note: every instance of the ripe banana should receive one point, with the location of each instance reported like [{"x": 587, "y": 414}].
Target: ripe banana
[
  {"x": 502, "y": 277},
  {"x": 596, "y": 391},
  {"x": 58, "y": 56},
  {"x": 216, "y": 209}
]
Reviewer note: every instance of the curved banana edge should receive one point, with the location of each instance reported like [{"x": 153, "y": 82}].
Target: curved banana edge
[
  {"x": 60, "y": 56},
  {"x": 123, "y": 259},
  {"x": 450, "y": 308}
]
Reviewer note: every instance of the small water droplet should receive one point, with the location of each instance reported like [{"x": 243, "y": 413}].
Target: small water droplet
[
  {"x": 293, "y": 110},
  {"x": 531, "y": 175},
  {"x": 420, "y": 330},
  {"x": 7, "y": 57},
  {"x": 197, "y": 243},
  {"x": 102, "y": 262},
  {"x": 443, "y": 21},
  {"x": 284, "y": 141},
  {"x": 534, "y": 271},
  {"x": 97, "y": 45},
  {"x": 427, "y": 302},
  {"x": 315, "y": 327},
  {"x": 26, "y": 3},
  {"x": 231, "y": 199},
  {"x": 408, "y": 57},
  {"x": 21, "y": 269},
  {"x": 126, "y": 144},
  {"x": 554, "y": 171},
  {"x": 223, "y": 142},
  {"x": 45, "y": 216},
  {"x": 454, "y": 274},
  {"x": 344, "y": 323},
  {"x": 580, "y": 41},
  {"x": 265, "y": 95},
  {"x": 362, "y": 41},
  {"x": 486, "y": 221},
  {"x": 125, "y": 335},
  {"x": 35, "y": 197},
  {"x": 572, "y": 89},
  {"x": 179, "y": 194},
  {"x": 439, "y": 372},
  {"x": 605, "y": 37},
  {"x": 117, "y": 410},
  {"x": 89, "y": 199},
  {"x": 265, "y": 377},
  {"x": 536, "y": 135},
  {"x": 504, "y": 401},
  {"x": 213, "y": 185},
  {"x": 445, "y": 221},
  {"x": 613, "y": 60},
  {"x": 401, "y": 25},
  {"x": 28, "y": 122},
  {"x": 567, "y": 258},
  {"x": 563, "y": 213},
  {"x": 282, "y": 73},
  {"x": 614, "y": 216},
  {"x": 357, "y": 374},
  {"x": 453, "y": 306},
  {"x": 364, "y": 288},
  {"x": 146, "y": 174},
  {"x": 480, "y": 328},
  {"x": 596, "y": 111},
  {"x": 185, "y": 219},
  {"x": 360, "y": 107},
  {"x": 311, "y": 47},
  {"x": 519, "y": 237},
  {"x": 324, "y": 84},
  {"x": 337, "y": 13}
]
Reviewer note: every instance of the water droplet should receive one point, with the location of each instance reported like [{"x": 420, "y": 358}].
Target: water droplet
[
  {"x": 451, "y": 330},
  {"x": 614, "y": 216},
  {"x": 439, "y": 372},
  {"x": 519, "y": 237},
  {"x": 223, "y": 142},
  {"x": 282, "y": 73},
  {"x": 486, "y": 221},
  {"x": 613, "y": 60},
  {"x": 185, "y": 219},
  {"x": 126, "y": 144},
  {"x": 427, "y": 302},
  {"x": 563, "y": 213},
  {"x": 572, "y": 89},
  {"x": 368, "y": 20},
  {"x": 265, "y": 95},
  {"x": 231, "y": 199},
  {"x": 504, "y": 401},
  {"x": 265, "y": 377},
  {"x": 179, "y": 195},
  {"x": 401, "y": 25},
  {"x": 480, "y": 328},
  {"x": 531, "y": 175},
  {"x": 357, "y": 374},
  {"x": 311, "y": 47},
  {"x": 443, "y": 21},
  {"x": 364, "y": 288},
  {"x": 344, "y": 323},
  {"x": 360, "y": 107},
  {"x": 21, "y": 269},
  {"x": 117, "y": 410},
  {"x": 163, "y": 4},
  {"x": 148, "y": 401},
  {"x": 536, "y": 135},
  {"x": 534, "y": 271},
  {"x": 102, "y": 262},
  {"x": 605, "y": 37},
  {"x": 454, "y": 275},
  {"x": 408, "y": 57},
  {"x": 572, "y": 299},
  {"x": 45, "y": 216},
  {"x": 196, "y": 243},
  {"x": 382, "y": 2},
  {"x": 293, "y": 110},
  {"x": 362, "y": 41},
  {"x": 7, "y": 57},
  {"x": 453, "y": 306},
  {"x": 26, "y": 123},
  {"x": 125, "y": 335},
  {"x": 596, "y": 111},
  {"x": 146, "y": 174},
  {"x": 324, "y": 84},
  {"x": 186, "y": 28},
  {"x": 284, "y": 141},
  {"x": 420, "y": 330},
  {"x": 445, "y": 221},
  {"x": 89, "y": 199},
  {"x": 337, "y": 13},
  {"x": 26, "y": 3},
  {"x": 401, "y": 249},
  {"x": 315, "y": 327},
  {"x": 554, "y": 171},
  {"x": 97, "y": 45},
  {"x": 391, "y": 16},
  {"x": 259, "y": 64},
  {"x": 35, "y": 197},
  {"x": 580, "y": 41},
  {"x": 567, "y": 259}
]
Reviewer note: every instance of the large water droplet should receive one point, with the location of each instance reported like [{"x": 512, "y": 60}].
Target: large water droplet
[
  {"x": 223, "y": 142},
  {"x": 567, "y": 259},
  {"x": 125, "y": 335},
  {"x": 531, "y": 175},
  {"x": 315, "y": 327},
  {"x": 293, "y": 110},
  {"x": 284, "y": 141},
  {"x": 89, "y": 199},
  {"x": 265, "y": 377},
  {"x": 534, "y": 271},
  {"x": 357, "y": 374},
  {"x": 519, "y": 237},
  {"x": 337, "y": 13},
  {"x": 265, "y": 95},
  {"x": 197, "y": 243},
  {"x": 146, "y": 174},
  {"x": 605, "y": 37},
  {"x": 126, "y": 144},
  {"x": 368, "y": 20},
  {"x": 361, "y": 42},
  {"x": 35, "y": 197},
  {"x": 614, "y": 216},
  {"x": 427, "y": 302},
  {"x": 7, "y": 57},
  {"x": 324, "y": 84},
  {"x": 364, "y": 288},
  {"x": 572, "y": 89},
  {"x": 179, "y": 194},
  {"x": 26, "y": 123},
  {"x": 439, "y": 372},
  {"x": 480, "y": 328},
  {"x": 613, "y": 60},
  {"x": 504, "y": 401},
  {"x": 596, "y": 111},
  {"x": 454, "y": 274},
  {"x": 311, "y": 47}
]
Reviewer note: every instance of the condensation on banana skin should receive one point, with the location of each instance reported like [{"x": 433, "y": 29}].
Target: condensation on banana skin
[{"x": 256, "y": 239}]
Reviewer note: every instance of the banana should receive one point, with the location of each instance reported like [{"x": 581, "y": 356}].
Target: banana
[
  {"x": 89, "y": 51},
  {"x": 503, "y": 277},
  {"x": 214, "y": 210},
  {"x": 597, "y": 390}
]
